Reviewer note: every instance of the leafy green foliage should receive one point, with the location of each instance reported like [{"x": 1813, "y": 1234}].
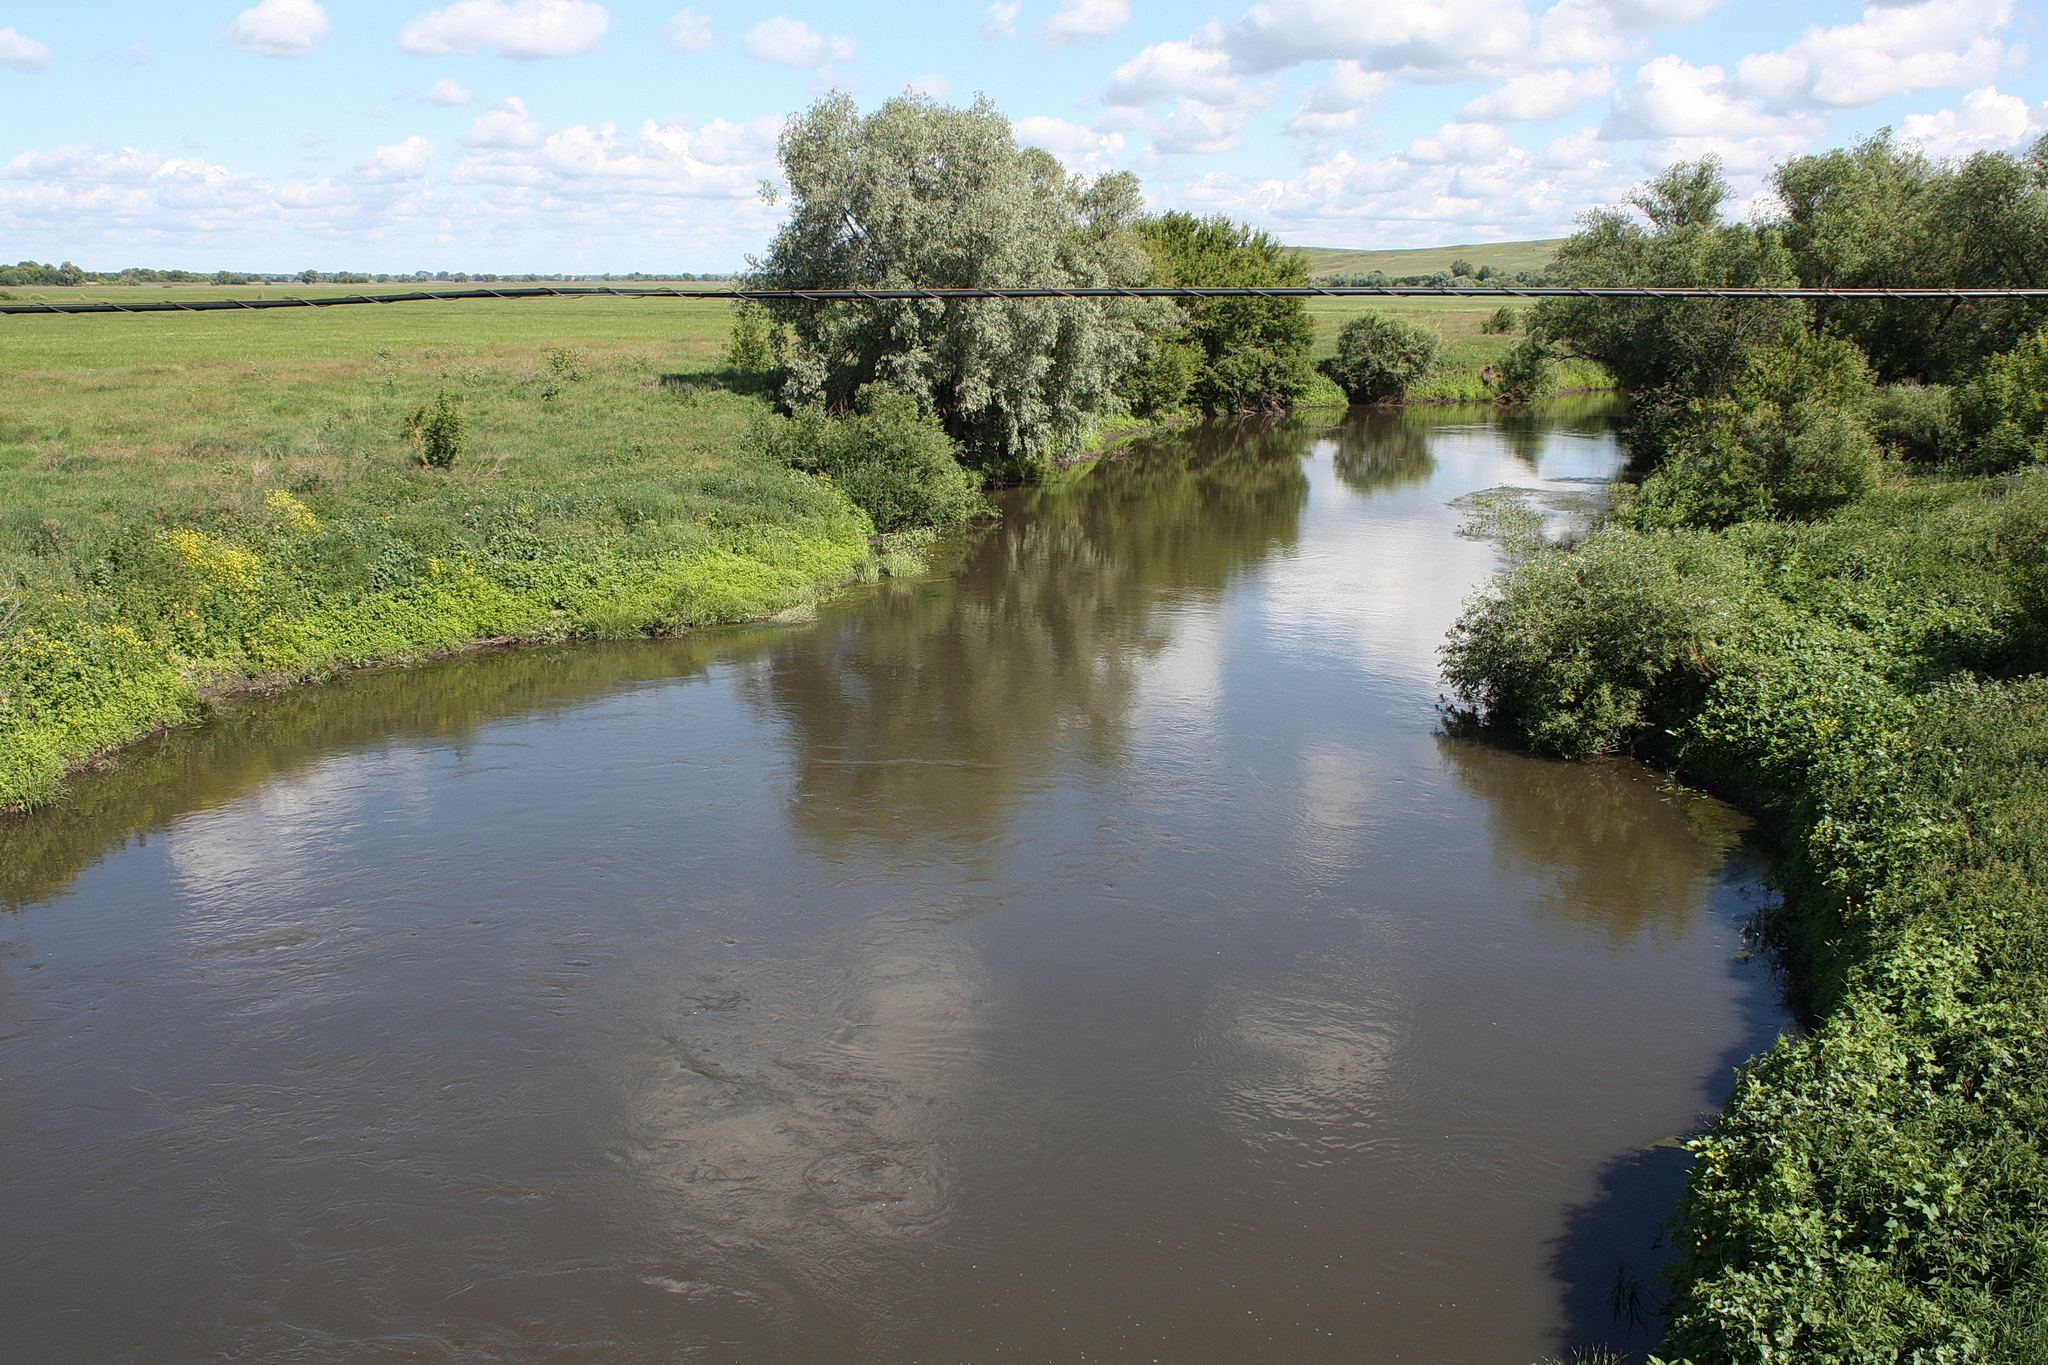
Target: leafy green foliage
[
  {"x": 1379, "y": 357},
  {"x": 1915, "y": 422},
  {"x": 1525, "y": 373},
  {"x": 892, "y": 461},
  {"x": 921, "y": 194},
  {"x": 1253, "y": 353},
  {"x": 1667, "y": 353},
  {"x": 439, "y": 431},
  {"x": 748, "y": 348},
  {"x": 1875, "y": 1190},
  {"x": 1159, "y": 384},
  {"x": 2002, "y": 412},
  {"x": 1788, "y": 442},
  {"x": 1883, "y": 214},
  {"x": 1504, "y": 321}
]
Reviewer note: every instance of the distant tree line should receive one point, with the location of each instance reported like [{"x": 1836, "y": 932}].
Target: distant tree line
[
  {"x": 1461, "y": 274},
  {"x": 35, "y": 274}
]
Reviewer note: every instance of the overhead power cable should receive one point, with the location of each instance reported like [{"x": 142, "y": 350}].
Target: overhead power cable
[{"x": 891, "y": 295}]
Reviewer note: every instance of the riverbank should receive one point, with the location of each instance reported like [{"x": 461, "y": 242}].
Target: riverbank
[
  {"x": 1868, "y": 683},
  {"x": 192, "y": 526},
  {"x": 200, "y": 505}
]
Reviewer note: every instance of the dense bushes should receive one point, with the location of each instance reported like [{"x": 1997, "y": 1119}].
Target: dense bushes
[
  {"x": 893, "y": 462},
  {"x": 1526, "y": 371},
  {"x": 1237, "y": 355},
  {"x": 1789, "y": 441},
  {"x": 2002, "y": 412},
  {"x": 1379, "y": 357},
  {"x": 1854, "y": 653},
  {"x": 1876, "y": 1190}
]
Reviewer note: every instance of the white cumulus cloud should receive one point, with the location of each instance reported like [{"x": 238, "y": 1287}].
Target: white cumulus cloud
[
  {"x": 1332, "y": 108},
  {"x": 1460, "y": 144},
  {"x": 1986, "y": 120},
  {"x": 795, "y": 43},
  {"x": 19, "y": 52},
  {"x": 931, "y": 85},
  {"x": 1539, "y": 95},
  {"x": 504, "y": 127},
  {"x": 524, "y": 30},
  {"x": 999, "y": 20},
  {"x": 1670, "y": 98},
  {"x": 1080, "y": 149},
  {"x": 1077, "y": 21},
  {"x": 1435, "y": 39},
  {"x": 690, "y": 31},
  {"x": 1170, "y": 71},
  {"x": 448, "y": 91},
  {"x": 1890, "y": 50},
  {"x": 279, "y": 28},
  {"x": 406, "y": 158}
]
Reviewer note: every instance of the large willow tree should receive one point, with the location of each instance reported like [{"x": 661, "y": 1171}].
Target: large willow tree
[{"x": 918, "y": 194}]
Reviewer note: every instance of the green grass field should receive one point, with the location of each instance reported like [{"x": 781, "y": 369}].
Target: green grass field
[{"x": 192, "y": 502}]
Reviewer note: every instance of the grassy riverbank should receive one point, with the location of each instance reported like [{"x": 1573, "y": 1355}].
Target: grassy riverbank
[
  {"x": 193, "y": 504},
  {"x": 1877, "y": 1189}
]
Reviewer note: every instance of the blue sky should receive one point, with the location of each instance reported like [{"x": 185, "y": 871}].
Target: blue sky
[{"x": 574, "y": 135}]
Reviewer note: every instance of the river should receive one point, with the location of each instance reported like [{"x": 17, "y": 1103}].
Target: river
[{"x": 1097, "y": 952}]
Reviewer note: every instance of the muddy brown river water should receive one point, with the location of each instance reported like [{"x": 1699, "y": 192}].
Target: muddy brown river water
[{"x": 1098, "y": 953}]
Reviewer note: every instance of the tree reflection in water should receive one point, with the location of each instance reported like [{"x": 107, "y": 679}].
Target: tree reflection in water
[
  {"x": 1609, "y": 845},
  {"x": 926, "y": 715}
]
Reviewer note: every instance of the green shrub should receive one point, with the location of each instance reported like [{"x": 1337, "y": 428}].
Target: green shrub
[
  {"x": 2002, "y": 411},
  {"x": 1504, "y": 321},
  {"x": 1159, "y": 384},
  {"x": 1730, "y": 464},
  {"x": 1378, "y": 358},
  {"x": 1252, "y": 379},
  {"x": 1526, "y": 373},
  {"x": 892, "y": 461},
  {"x": 439, "y": 432},
  {"x": 1915, "y": 422},
  {"x": 748, "y": 348}
]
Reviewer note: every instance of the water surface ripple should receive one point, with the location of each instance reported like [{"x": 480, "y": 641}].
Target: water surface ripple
[{"x": 1097, "y": 954}]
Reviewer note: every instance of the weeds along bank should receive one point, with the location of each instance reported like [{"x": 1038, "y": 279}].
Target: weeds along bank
[
  {"x": 1876, "y": 1190},
  {"x": 1827, "y": 596},
  {"x": 173, "y": 530}
]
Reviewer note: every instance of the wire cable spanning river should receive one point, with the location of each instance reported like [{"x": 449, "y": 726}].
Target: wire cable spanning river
[{"x": 1097, "y": 953}]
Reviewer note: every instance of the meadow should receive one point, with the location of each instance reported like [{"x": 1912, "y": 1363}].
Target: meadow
[{"x": 192, "y": 504}]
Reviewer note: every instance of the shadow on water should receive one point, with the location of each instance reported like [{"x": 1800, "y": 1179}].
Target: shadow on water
[
  {"x": 1598, "y": 854},
  {"x": 1603, "y": 859},
  {"x": 1612, "y": 1256}
]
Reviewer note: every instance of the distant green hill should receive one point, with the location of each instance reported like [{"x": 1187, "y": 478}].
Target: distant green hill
[{"x": 1504, "y": 256}]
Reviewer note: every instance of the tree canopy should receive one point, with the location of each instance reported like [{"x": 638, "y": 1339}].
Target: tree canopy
[
  {"x": 1880, "y": 214},
  {"x": 1241, "y": 355},
  {"x": 1667, "y": 352},
  {"x": 921, "y": 194}
]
